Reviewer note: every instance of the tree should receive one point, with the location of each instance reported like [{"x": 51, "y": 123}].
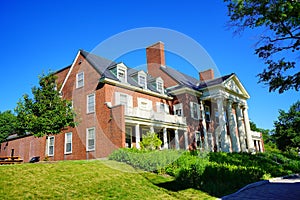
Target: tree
[
  {"x": 46, "y": 113},
  {"x": 150, "y": 141},
  {"x": 280, "y": 44},
  {"x": 8, "y": 123},
  {"x": 287, "y": 128}
]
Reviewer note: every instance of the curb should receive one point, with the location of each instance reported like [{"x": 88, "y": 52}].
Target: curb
[{"x": 249, "y": 186}]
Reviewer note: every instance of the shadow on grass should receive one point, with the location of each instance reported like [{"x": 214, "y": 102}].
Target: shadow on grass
[{"x": 216, "y": 180}]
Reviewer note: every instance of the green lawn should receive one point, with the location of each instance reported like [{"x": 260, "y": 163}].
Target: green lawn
[{"x": 96, "y": 179}]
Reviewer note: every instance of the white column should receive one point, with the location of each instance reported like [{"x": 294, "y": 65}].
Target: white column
[
  {"x": 232, "y": 128},
  {"x": 176, "y": 139},
  {"x": 205, "y": 145},
  {"x": 186, "y": 142},
  {"x": 137, "y": 136},
  {"x": 221, "y": 129},
  {"x": 248, "y": 130},
  {"x": 151, "y": 129},
  {"x": 165, "y": 138},
  {"x": 241, "y": 127}
]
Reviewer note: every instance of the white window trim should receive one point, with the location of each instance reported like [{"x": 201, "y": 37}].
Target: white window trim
[
  {"x": 164, "y": 110},
  {"x": 87, "y": 103},
  {"x": 178, "y": 107},
  {"x": 129, "y": 99},
  {"x": 205, "y": 109},
  {"x": 66, "y": 139},
  {"x": 122, "y": 67},
  {"x": 144, "y": 75},
  {"x": 192, "y": 104},
  {"x": 216, "y": 116},
  {"x": 87, "y": 139},
  {"x": 48, "y": 145},
  {"x": 77, "y": 80},
  {"x": 160, "y": 80}
]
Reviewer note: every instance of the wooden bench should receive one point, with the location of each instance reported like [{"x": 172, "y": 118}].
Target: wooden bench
[{"x": 10, "y": 160}]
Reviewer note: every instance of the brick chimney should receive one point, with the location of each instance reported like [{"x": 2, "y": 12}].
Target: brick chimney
[
  {"x": 206, "y": 75},
  {"x": 155, "y": 58}
]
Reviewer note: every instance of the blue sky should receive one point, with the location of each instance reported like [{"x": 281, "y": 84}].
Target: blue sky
[{"x": 37, "y": 36}]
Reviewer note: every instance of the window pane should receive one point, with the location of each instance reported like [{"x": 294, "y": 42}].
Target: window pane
[
  {"x": 91, "y": 103},
  {"x": 51, "y": 150},
  {"x": 80, "y": 79}
]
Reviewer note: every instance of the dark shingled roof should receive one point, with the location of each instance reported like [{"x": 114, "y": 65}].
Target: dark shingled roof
[
  {"x": 216, "y": 81},
  {"x": 103, "y": 66}
]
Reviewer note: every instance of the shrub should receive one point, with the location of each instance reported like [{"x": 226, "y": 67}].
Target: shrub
[
  {"x": 147, "y": 160},
  {"x": 150, "y": 141}
]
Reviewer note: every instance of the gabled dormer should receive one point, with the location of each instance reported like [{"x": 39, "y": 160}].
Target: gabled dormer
[
  {"x": 158, "y": 84},
  {"x": 120, "y": 71},
  {"x": 142, "y": 79}
]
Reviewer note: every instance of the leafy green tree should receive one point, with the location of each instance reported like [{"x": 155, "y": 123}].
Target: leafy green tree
[
  {"x": 8, "y": 123},
  {"x": 150, "y": 141},
  {"x": 287, "y": 128},
  {"x": 279, "y": 44},
  {"x": 46, "y": 113}
]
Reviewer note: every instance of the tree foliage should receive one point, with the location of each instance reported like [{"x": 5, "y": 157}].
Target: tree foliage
[
  {"x": 46, "y": 113},
  {"x": 287, "y": 128},
  {"x": 8, "y": 123},
  {"x": 280, "y": 43},
  {"x": 150, "y": 141}
]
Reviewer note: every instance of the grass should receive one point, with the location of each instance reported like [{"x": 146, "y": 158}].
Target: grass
[{"x": 96, "y": 179}]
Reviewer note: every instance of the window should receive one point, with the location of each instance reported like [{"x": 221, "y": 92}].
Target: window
[
  {"x": 217, "y": 116},
  {"x": 122, "y": 72},
  {"x": 90, "y": 139},
  {"x": 162, "y": 107},
  {"x": 121, "y": 75},
  {"x": 68, "y": 143},
  {"x": 80, "y": 80},
  {"x": 91, "y": 103},
  {"x": 207, "y": 113},
  {"x": 50, "y": 146},
  {"x": 159, "y": 87},
  {"x": 123, "y": 99},
  {"x": 142, "y": 81},
  {"x": 178, "y": 109},
  {"x": 195, "y": 110}
]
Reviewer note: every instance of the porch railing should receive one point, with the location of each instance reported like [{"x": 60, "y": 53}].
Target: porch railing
[{"x": 157, "y": 116}]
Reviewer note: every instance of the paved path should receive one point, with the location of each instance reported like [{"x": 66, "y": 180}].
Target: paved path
[{"x": 278, "y": 188}]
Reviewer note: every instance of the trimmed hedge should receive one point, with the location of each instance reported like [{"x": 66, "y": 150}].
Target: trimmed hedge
[{"x": 218, "y": 173}]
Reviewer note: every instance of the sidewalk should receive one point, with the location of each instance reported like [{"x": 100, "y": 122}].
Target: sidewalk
[{"x": 278, "y": 188}]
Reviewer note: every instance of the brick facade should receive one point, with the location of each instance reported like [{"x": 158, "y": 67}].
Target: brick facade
[{"x": 117, "y": 125}]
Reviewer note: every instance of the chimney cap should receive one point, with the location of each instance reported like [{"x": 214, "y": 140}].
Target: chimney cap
[{"x": 157, "y": 43}]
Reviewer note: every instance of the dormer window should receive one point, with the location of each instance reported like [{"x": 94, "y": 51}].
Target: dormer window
[
  {"x": 160, "y": 85},
  {"x": 122, "y": 72},
  {"x": 142, "y": 80}
]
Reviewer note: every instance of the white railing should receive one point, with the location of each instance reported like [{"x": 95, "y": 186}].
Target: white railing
[
  {"x": 255, "y": 134},
  {"x": 157, "y": 116}
]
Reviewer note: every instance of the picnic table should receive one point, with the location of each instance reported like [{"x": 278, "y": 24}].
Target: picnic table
[{"x": 10, "y": 160}]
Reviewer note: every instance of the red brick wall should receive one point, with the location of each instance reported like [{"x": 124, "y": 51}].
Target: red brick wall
[{"x": 26, "y": 147}]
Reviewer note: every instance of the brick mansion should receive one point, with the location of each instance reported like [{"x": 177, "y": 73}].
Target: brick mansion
[{"x": 117, "y": 105}]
